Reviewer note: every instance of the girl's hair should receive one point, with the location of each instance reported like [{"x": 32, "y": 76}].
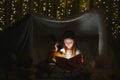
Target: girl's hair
[{"x": 71, "y": 35}]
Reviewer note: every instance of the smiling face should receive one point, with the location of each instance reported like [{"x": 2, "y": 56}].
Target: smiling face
[{"x": 69, "y": 43}]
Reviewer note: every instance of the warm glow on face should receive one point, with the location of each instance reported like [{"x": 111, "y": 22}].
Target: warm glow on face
[{"x": 68, "y": 43}]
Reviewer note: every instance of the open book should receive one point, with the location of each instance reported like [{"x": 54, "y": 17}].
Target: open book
[{"x": 69, "y": 63}]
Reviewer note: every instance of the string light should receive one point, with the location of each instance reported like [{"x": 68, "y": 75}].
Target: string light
[
  {"x": 113, "y": 20},
  {"x": 25, "y": 7},
  {"x": 59, "y": 9},
  {"x": 2, "y": 16},
  {"x": 34, "y": 7},
  {"x": 84, "y": 5},
  {"x": 115, "y": 26}
]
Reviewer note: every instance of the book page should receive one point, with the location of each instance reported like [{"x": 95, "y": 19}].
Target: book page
[{"x": 69, "y": 63}]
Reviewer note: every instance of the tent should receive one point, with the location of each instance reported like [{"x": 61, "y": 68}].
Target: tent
[{"x": 36, "y": 34}]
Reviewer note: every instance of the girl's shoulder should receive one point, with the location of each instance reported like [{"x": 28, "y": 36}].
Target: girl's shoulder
[
  {"x": 78, "y": 52},
  {"x": 62, "y": 50}
]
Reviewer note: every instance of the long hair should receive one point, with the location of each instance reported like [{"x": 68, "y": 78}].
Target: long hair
[{"x": 71, "y": 35}]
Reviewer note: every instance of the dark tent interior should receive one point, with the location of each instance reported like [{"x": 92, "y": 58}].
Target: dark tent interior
[{"x": 27, "y": 45}]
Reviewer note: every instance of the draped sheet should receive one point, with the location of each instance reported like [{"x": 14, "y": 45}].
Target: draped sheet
[{"x": 35, "y": 35}]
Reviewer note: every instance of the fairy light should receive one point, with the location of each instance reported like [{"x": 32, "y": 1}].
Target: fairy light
[
  {"x": 115, "y": 21},
  {"x": 12, "y": 16},
  {"x": 69, "y": 7},
  {"x": 35, "y": 7},
  {"x": 50, "y": 9},
  {"x": 44, "y": 6},
  {"x": 2, "y": 16},
  {"x": 84, "y": 5},
  {"x": 112, "y": 20},
  {"x": 59, "y": 10},
  {"x": 25, "y": 7}
]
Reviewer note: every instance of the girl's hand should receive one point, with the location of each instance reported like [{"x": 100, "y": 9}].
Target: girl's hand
[{"x": 56, "y": 46}]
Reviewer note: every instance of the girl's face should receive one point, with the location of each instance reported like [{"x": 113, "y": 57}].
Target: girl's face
[{"x": 68, "y": 43}]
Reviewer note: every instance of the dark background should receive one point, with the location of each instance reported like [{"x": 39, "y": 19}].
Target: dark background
[{"x": 12, "y": 12}]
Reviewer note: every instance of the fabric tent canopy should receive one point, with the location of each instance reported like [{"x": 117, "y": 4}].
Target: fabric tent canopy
[{"x": 35, "y": 35}]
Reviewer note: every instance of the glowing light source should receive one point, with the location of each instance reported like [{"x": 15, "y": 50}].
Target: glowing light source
[
  {"x": 44, "y": 8},
  {"x": 1, "y": 29}
]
